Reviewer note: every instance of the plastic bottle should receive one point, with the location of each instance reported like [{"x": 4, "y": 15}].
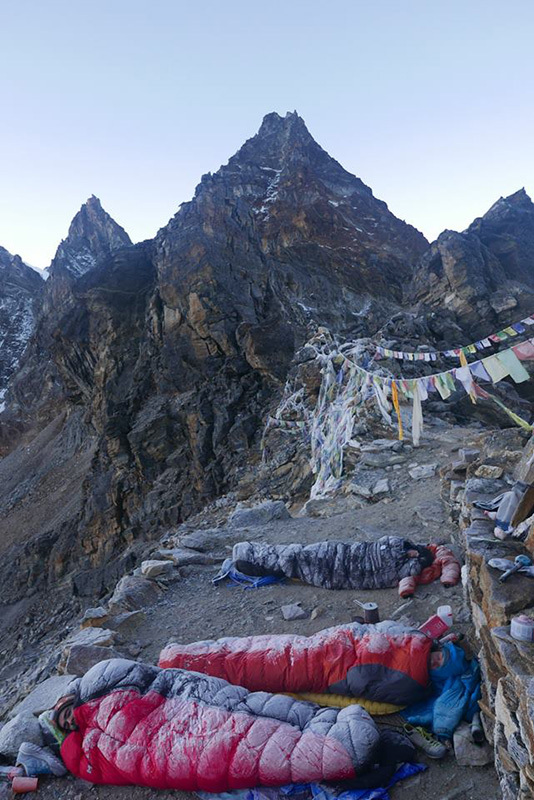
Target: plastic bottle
[{"x": 439, "y": 623}]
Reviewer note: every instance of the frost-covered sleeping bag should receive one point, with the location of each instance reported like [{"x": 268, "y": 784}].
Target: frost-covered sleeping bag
[
  {"x": 386, "y": 662},
  {"x": 173, "y": 729},
  {"x": 334, "y": 565}
]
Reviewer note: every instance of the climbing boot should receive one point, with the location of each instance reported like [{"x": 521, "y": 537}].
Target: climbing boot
[{"x": 424, "y": 740}]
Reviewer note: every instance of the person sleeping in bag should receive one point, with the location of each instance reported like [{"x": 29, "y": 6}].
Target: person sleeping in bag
[
  {"x": 380, "y": 564},
  {"x": 131, "y": 723},
  {"x": 387, "y": 662}
]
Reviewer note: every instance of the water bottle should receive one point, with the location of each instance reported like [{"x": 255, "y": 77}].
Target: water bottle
[{"x": 439, "y": 623}]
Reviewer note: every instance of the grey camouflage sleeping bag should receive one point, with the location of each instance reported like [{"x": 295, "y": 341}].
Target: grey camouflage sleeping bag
[{"x": 334, "y": 565}]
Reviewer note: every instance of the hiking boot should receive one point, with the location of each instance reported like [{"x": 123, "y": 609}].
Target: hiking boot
[
  {"x": 37, "y": 760},
  {"x": 424, "y": 740}
]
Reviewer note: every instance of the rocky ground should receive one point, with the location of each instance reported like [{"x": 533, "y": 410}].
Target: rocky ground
[{"x": 191, "y": 608}]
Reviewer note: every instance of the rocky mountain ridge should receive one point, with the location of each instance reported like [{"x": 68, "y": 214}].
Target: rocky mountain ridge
[
  {"x": 144, "y": 391},
  {"x": 484, "y": 275},
  {"x": 21, "y": 290}
]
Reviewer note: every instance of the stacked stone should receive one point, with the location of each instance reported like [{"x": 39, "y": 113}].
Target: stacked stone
[{"x": 507, "y": 665}]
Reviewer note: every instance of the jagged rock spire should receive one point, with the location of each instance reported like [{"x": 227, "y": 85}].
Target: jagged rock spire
[{"x": 93, "y": 235}]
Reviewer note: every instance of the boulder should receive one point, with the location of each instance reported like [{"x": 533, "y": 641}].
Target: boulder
[
  {"x": 468, "y": 455},
  {"x": 489, "y": 471},
  {"x": 94, "y": 617},
  {"x": 261, "y": 514},
  {"x": 293, "y": 611},
  {"x": 423, "y": 471},
  {"x": 211, "y": 539},
  {"x": 329, "y": 506},
  {"x": 132, "y": 593},
  {"x": 383, "y": 459},
  {"x": 24, "y": 727},
  {"x": 456, "y": 489},
  {"x": 84, "y": 656},
  {"x": 381, "y": 487},
  {"x": 157, "y": 569},
  {"x": 44, "y": 696},
  {"x": 126, "y": 622},
  {"x": 94, "y": 637},
  {"x": 183, "y": 557}
]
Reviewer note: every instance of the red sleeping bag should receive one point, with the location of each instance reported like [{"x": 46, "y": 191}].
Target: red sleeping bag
[
  {"x": 173, "y": 729},
  {"x": 384, "y": 662}
]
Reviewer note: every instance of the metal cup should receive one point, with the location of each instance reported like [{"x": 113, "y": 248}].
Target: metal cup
[{"x": 370, "y": 613}]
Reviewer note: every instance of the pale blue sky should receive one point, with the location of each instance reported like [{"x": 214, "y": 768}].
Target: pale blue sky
[{"x": 430, "y": 102}]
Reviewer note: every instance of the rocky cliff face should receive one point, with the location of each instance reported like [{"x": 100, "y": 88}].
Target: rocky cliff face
[
  {"x": 36, "y": 393},
  {"x": 507, "y": 230},
  {"x": 161, "y": 360},
  {"x": 93, "y": 236},
  {"x": 484, "y": 276},
  {"x": 165, "y": 356},
  {"x": 21, "y": 289}
]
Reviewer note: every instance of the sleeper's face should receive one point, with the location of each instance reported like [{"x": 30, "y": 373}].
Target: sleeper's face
[
  {"x": 436, "y": 659},
  {"x": 65, "y": 718},
  {"x": 412, "y": 553}
]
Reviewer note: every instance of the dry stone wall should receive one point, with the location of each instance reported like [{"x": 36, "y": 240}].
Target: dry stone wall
[{"x": 507, "y": 665}]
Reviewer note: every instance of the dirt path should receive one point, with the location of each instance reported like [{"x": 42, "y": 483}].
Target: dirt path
[{"x": 193, "y": 609}]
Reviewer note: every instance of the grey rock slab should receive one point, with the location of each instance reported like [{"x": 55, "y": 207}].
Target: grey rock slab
[
  {"x": 210, "y": 539},
  {"x": 24, "y": 727},
  {"x": 469, "y": 754},
  {"x": 157, "y": 568},
  {"x": 94, "y": 617},
  {"x": 382, "y": 487},
  {"x": 183, "y": 557},
  {"x": 329, "y": 506},
  {"x": 363, "y": 483},
  {"x": 126, "y": 622},
  {"x": 489, "y": 471},
  {"x": 456, "y": 490},
  {"x": 44, "y": 695},
  {"x": 485, "y": 486},
  {"x": 84, "y": 656},
  {"x": 468, "y": 455},
  {"x": 133, "y": 592},
  {"x": 260, "y": 514},
  {"x": 96, "y": 637},
  {"x": 387, "y": 459},
  {"x": 378, "y": 444},
  {"x": 423, "y": 471},
  {"x": 293, "y": 611}
]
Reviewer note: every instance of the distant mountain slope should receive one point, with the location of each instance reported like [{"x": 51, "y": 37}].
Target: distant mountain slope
[
  {"x": 21, "y": 289},
  {"x": 484, "y": 275}
]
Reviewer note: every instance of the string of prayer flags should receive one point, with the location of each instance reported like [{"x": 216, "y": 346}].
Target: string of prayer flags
[
  {"x": 492, "y": 369},
  {"x": 347, "y": 387},
  {"x": 509, "y": 332}
]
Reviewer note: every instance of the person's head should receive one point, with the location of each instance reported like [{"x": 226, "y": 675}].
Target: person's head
[
  {"x": 439, "y": 656},
  {"x": 63, "y": 713},
  {"x": 420, "y": 552}
]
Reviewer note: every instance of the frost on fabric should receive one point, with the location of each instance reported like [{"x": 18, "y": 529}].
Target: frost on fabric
[{"x": 378, "y": 643}]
